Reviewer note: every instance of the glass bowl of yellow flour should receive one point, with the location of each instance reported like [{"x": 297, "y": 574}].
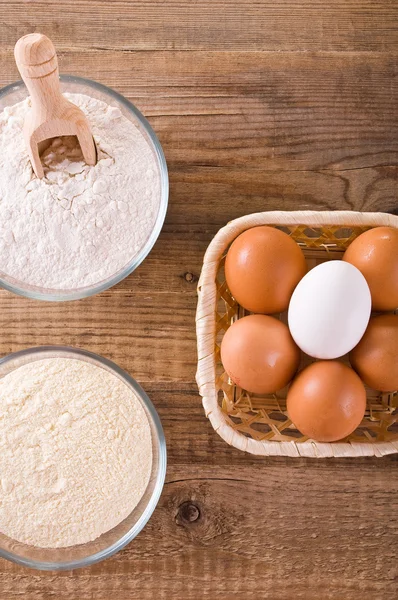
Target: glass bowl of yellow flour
[
  {"x": 79, "y": 230},
  {"x": 82, "y": 458}
]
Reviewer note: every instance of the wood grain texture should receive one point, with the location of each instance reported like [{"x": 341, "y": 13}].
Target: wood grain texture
[
  {"x": 233, "y": 533},
  {"x": 259, "y": 105},
  {"x": 287, "y": 25},
  {"x": 264, "y": 111}
]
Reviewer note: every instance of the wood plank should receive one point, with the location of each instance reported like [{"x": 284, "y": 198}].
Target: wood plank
[
  {"x": 267, "y": 111},
  {"x": 286, "y": 25},
  {"x": 151, "y": 336},
  {"x": 234, "y": 534},
  {"x": 204, "y": 199}
]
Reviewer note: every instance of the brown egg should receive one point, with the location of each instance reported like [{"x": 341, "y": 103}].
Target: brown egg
[
  {"x": 262, "y": 268},
  {"x": 326, "y": 401},
  {"x": 375, "y": 254},
  {"x": 375, "y": 358},
  {"x": 259, "y": 354}
]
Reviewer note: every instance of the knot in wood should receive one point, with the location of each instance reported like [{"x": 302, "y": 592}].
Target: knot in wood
[
  {"x": 188, "y": 512},
  {"x": 190, "y": 277}
]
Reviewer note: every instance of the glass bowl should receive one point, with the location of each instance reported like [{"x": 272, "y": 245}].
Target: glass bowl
[
  {"x": 112, "y": 541},
  {"x": 16, "y": 92}
]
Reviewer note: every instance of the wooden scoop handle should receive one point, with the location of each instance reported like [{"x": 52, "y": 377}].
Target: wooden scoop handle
[
  {"x": 52, "y": 115},
  {"x": 38, "y": 65}
]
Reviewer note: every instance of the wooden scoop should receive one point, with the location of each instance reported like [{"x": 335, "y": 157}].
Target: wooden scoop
[{"x": 52, "y": 115}]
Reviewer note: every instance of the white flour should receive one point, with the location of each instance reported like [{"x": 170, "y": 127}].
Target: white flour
[
  {"x": 79, "y": 225},
  {"x": 75, "y": 452}
]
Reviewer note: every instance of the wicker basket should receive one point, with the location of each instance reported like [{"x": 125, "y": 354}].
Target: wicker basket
[{"x": 259, "y": 424}]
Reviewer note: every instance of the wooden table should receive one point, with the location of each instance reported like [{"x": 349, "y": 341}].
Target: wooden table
[{"x": 259, "y": 105}]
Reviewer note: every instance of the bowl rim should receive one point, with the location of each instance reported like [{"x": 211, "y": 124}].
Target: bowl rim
[
  {"x": 87, "y": 291},
  {"x": 160, "y": 477}
]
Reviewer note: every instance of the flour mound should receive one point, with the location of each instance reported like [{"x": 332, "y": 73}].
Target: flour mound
[
  {"x": 75, "y": 452},
  {"x": 79, "y": 225}
]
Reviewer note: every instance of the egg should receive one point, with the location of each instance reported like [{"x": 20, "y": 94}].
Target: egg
[
  {"x": 262, "y": 268},
  {"x": 326, "y": 401},
  {"x": 375, "y": 359},
  {"x": 329, "y": 310},
  {"x": 375, "y": 254},
  {"x": 259, "y": 355}
]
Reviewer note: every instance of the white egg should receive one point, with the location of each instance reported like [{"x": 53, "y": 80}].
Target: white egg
[{"x": 330, "y": 310}]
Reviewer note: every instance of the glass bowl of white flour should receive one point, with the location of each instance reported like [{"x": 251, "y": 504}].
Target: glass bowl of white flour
[
  {"x": 80, "y": 229},
  {"x": 82, "y": 458}
]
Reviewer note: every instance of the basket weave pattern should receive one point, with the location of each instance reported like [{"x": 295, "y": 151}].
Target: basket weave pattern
[{"x": 259, "y": 424}]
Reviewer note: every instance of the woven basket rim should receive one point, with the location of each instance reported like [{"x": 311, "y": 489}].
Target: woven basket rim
[{"x": 205, "y": 331}]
